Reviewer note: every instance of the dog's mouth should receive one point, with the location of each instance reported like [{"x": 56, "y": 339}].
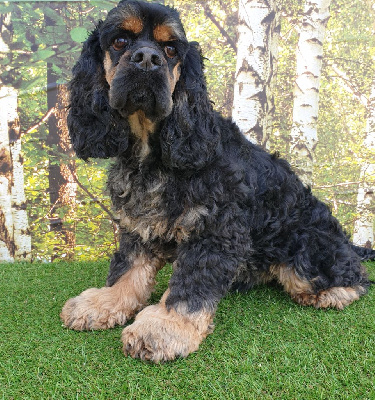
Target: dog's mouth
[
  {"x": 135, "y": 90},
  {"x": 141, "y": 100},
  {"x": 155, "y": 106}
]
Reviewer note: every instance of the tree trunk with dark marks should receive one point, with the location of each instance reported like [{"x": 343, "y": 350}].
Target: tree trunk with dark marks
[
  {"x": 15, "y": 239},
  {"x": 309, "y": 56},
  {"x": 62, "y": 186},
  {"x": 6, "y": 175},
  {"x": 258, "y": 35},
  {"x": 364, "y": 225}
]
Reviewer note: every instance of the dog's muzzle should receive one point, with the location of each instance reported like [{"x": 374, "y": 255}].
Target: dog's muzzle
[{"x": 142, "y": 83}]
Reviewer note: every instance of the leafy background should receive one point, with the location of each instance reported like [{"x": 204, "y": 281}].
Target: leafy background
[{"x": 47, "y": 39}]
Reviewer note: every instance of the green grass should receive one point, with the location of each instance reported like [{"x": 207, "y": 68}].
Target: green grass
[{"x": 264, "y": 346}]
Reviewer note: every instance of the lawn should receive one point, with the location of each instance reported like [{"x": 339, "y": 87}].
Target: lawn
[{"x": 264, "y": 346}]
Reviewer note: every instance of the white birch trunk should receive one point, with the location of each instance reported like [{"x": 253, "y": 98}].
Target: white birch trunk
[
  {"x": 21, "y": 233},
  {"x": 364, "y": 225},
  {"x": 309, "y": 56},
  {"x": 6, "y": 217},
  {"x": 15, "y": 240},
  {"x": 257, "y": 45}
]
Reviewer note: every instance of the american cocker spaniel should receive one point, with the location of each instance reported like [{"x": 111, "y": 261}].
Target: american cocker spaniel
[{"x": 192, "y": 191}]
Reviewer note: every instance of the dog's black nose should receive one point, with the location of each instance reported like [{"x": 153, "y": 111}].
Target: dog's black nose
[{"x": 147, "y": 59}]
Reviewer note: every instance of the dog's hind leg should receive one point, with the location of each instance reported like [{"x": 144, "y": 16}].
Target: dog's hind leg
[{"x": 302, "y": 291}]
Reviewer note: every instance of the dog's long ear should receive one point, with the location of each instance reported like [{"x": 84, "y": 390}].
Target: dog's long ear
[
  {"x": 96, "y": 130},
  {"x": 190, "y": 137}
]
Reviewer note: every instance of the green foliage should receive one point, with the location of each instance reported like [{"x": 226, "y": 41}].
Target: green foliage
[
  {"x": 78, "y": 34},
  {"x": 349, "y": 45},
  {"x": 220, "y": 57},
  {"x": 342, "y": 121},
  {"x": 55, "y": 33},
  {"x": 50, "y": 33},
  {"x": 52, "y": 37}
]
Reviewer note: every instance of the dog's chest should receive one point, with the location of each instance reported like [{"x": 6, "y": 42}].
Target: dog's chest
[{"x": 151, "y": 207}]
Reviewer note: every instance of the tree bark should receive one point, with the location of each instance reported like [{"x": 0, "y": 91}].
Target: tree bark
[
  {"x": 257, "y": 44},
  {"x": 62, "y": 187},
  {"x": 309, "y": 56},
  {"x": 68, "y": 191},
  {"x": 6, "y": 218},
  {"x": 364, "y": 225},
  {"x": 15, "y": 240}
]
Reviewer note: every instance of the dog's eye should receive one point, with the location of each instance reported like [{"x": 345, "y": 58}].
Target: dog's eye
[
  {"x": 170, "y": 51},
  {"x": 120, "y": 43}
]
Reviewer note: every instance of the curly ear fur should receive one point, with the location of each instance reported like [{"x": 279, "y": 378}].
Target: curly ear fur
[
  {"x": 96, "y": 130},
  {"x": 190, "y": 136}
]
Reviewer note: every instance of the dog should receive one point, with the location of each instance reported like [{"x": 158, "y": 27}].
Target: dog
[{"x": 190, "y": 190}]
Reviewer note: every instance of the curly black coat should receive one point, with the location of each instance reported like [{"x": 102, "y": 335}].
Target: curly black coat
[{"x": 189, "y": 188}]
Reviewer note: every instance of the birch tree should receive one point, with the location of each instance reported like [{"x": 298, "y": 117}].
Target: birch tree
[
  {"x": 6, "y": 219},
  {"x": 15, "y": 240},
  {"x": 309, "y": 56},
  {"x": 364, "y": 225},
  {"x": 258, "y": 33}
]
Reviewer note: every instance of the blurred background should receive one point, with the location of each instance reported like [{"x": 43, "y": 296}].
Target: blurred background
[{"x": 297, "y": 76}]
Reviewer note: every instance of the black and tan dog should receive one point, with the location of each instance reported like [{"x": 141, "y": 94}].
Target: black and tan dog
[{"x": 190, "y": 190}]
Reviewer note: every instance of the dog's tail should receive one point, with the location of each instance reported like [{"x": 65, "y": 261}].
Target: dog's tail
[{"x": 365, "y": 253}]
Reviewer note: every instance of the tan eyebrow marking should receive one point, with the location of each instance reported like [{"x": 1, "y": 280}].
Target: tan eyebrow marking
[
  {"x": 132, "y": 24},
  {"x": 164, "y": 33}
]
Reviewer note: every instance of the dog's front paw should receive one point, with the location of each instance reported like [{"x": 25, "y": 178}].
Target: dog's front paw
[
  {"x": 160, "y": 335},
  {"x": 96, "y": 309}
]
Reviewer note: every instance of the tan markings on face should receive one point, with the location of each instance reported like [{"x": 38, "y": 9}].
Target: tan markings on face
[
  {"x": 109, "y": 306},
  {"x": 132, "y": 24},
  {"x": 164, "y": 33},
  {"x": 158, "y": 334},
  {"x": 175, "y": 76},
  {"x": 109, "y": 68}
]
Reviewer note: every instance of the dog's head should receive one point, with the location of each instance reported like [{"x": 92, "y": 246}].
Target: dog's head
[
  {"x": 144, "y": 48},
  {"x": 137, "y": 74}
]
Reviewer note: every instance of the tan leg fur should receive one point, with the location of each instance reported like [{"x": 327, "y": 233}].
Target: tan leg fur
[
  {"x": 109, "y": 306},
  {"x": 302, "y": 292},
  {"x": 161, "y": 335}
]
